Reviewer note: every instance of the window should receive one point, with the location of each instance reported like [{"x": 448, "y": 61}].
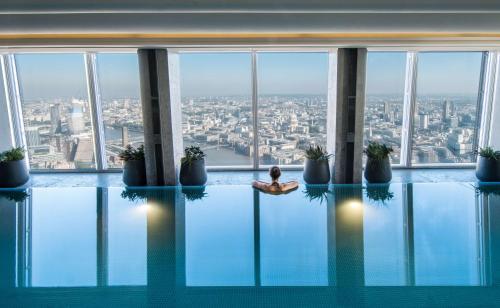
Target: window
[
  {"x": 385, "y": 85},
  {"x": 292, "y": 103},
  {"x": 217, "y": 106},
  {"x": 444, "y": 129},
  {"x": 121, "y": 105},
  {"x": 56, "y": 111}
]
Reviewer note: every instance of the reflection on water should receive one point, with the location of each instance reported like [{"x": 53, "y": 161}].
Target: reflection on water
[{"x": 174, "y": 241}]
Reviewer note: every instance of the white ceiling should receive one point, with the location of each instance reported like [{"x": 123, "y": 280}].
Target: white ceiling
[{"x": 25, "y": 6}]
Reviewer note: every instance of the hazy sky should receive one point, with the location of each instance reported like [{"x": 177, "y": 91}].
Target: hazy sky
[{"x": 63, "y": 75}]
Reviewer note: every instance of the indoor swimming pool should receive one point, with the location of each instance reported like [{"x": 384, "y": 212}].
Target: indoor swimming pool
[{"x": 420, "y": 244}]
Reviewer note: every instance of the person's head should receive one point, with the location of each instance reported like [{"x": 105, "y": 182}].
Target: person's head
[{"x": 275, "y": 173}]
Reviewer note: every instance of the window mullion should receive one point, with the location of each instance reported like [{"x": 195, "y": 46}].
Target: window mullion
[
  {"x": 409, "y": 108},
  {"x": 13, "y": 96},
  {"x": 255, "y": 112},
  {"x": 487, "y": 91},
  {"x": 94, "y": 95}
]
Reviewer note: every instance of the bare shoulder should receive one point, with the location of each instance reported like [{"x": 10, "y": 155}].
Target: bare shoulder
[{"x": 290, "y": 185}]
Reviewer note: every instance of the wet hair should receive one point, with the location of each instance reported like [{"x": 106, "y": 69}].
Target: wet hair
[{"x": 275, "y": 172}]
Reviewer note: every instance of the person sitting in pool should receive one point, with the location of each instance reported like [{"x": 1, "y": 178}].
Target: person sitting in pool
[{"x": 275, "y": 187}]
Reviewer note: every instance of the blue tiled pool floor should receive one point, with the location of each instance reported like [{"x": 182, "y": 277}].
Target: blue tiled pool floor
[{"x": 397, "y": 245}]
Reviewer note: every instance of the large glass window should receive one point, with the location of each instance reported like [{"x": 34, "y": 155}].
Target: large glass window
[
  {"x": 121, "y": 106},
  {"x": 385, "y": 85},
  {"x": 445, "y": 115},
  {"x": 216, "y": 106},
  {"x": 56, "y": 111},
  {"x": 292, "y": 103}
]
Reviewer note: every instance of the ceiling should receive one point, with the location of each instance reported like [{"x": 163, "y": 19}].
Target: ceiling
[{"x": 27, "y": 6}]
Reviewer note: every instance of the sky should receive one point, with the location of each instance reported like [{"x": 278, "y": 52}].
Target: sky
[{"x": 49, "y": 76}]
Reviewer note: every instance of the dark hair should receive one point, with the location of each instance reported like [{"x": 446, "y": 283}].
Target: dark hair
[{"x": 275, "y": 172}]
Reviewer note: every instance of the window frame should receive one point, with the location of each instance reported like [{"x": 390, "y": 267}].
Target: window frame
[{"x": 486, "y": 93}]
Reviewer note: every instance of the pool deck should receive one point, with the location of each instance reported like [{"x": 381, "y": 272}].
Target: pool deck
[{"x": 244, "y": 177}]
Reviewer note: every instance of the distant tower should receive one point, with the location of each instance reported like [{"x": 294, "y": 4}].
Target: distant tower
[
  {"x": 125, "y": 136},
  {"x": 33, "y": 136},
  {"x": 386, "y": 108},
  {"x": 447, "y": 110},
  {"x": 55, "y": 119},
  {"x": 77, "y": 122},
  {"x": 423, "y": 120},
  {"x": 294, "y": 122}
]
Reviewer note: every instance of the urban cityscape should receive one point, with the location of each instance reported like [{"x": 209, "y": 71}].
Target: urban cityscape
[{"x": 59, "y": 132}]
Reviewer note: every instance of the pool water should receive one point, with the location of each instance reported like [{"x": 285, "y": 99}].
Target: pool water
[{"x": 397, "y": 245}]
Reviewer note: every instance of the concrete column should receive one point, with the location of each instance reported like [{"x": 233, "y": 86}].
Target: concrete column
[
  {"x": 161, "y": 108},
  {"x": 351, "y": 77}
]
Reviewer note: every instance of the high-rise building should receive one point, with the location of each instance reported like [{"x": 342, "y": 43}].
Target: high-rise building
[
  {"x": 33, "y": 136},
  {"x": 447, "y": 106},
  {"x": 423, "y": 120},
  {"x": 77, "y": 123},
  {"x": 125, "y": 140},
  {"x": 55, "y": 119}
]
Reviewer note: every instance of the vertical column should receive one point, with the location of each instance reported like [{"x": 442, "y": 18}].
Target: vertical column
[
  {"x": 351, "y": 77},
  {"x": 409, "y": 107},
  {"x": 161, "y": 107},
  {"x": 255, "y": 105},
  {"x": 331, "y": 106}
]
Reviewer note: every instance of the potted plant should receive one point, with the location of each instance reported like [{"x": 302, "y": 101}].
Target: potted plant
[
  {"x": 193, "y": 171},
  {"x": 316, "y": 168},
  {"x": 488, "y": 165},
  {"x": 134, "y": 168},
  {"x": 13, "y": 168},
  {"x": 378, "y": 164}
]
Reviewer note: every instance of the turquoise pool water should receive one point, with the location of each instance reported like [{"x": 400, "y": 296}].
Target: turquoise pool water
[{"x": 231, "y": 246}]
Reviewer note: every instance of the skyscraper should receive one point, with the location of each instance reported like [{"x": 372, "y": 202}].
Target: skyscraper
[
  {"x": 33, "y": 136},
  {"x": 77, "y": 123},
  {"x": 55, "y": 119},
  {"x": 423, "y": 120},
  {"x": 125, "y": 140},
  {"x": 446, "y": 110}
]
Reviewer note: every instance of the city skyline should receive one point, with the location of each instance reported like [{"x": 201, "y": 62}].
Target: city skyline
[{"x": 215, "y": 74}]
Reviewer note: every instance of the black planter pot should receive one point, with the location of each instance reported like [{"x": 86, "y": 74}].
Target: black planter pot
[
  {"x": 378, "y": 171},
  {"x": 194, "y": 173},
  {"x": 488, "y": 170},
  {"x": 316, "y": 171},
  {"x": 134, "y": 173},
  {"x": 13, "y": 173}
]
